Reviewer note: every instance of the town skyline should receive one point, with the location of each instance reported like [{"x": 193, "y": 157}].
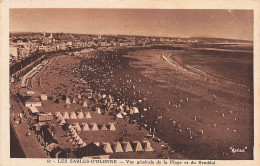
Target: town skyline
[{"x": 162, "y": 23}]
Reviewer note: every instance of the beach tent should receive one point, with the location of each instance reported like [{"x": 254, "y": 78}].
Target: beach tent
[
  {"x": 98, "y": 110},
  {"x": 104, "y": 127},
  {"x": 74, "y": 101},
  {"x": 85, "y": 127},
  {"x": 79, "y": 96},
  {"x": 119, "y": 115},
  {"x": 121, "y": 109},
  {"x": 80, "y": 141},
  {"x": 77, "y": 138},
  {"x": 137, "y": 146},
  {"x": 87, "y": 115},
  {"x": 84, "y": 144},
  {"x": 62, "y": 122},
  {"x": 66, "y": 115},
  {"x": 127, "y": 109},
  {"x": 77, "y": 127},
  {"x": 74, "y": 132},
  {"x": 124, "y": 113},
  {"x": 94, "y": 127},
  {"x": 67, "y": 101},
  {"x": 131, "y": 111},
  {"x": 136, "y": 111},
  {"x": 107, "y": 148},
  {"x": 112, "y": 127},
  {"x": 127, "y": 147},
  {"x": 96, "y": 143},
  {"x": 84, "y": 104},
  {"x": 118, "y": 147},
  {"x": 58, "y": 114},
  {"x": 147, "y": 146},
  {"x": 73, "y": 115},
  {"x": 80, "y": 115}
]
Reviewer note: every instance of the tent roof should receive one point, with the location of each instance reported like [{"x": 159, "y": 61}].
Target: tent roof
[{"x": 118, "y": 147}]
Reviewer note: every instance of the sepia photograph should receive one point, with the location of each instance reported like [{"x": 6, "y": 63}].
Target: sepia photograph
[{"x": 113, "y": 83}]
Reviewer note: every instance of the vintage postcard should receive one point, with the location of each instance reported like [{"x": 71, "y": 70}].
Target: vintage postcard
[{"x": 129, "y": 83}]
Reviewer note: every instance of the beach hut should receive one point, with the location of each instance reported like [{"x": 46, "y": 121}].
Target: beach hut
[
  {"x": 119, "y": 115},
  {"x": 88, "y": 115},
  {"x": 107, "y": 148},
  {"x": 118, "y": 147},
  {"x": 127, "y": 147},
  {"x": 73, "y": 115},
  {"x": 104, "y": 127},
  {"x": 67, "y": 101},
  {"x": 98, "y": 110},
  {"x": 66, "y": 115},
  {"x": 112, "y": 127},
  {"x": 94, "y": 127},
  {"x": 137, "y": 146},
  {"x": 80, "y": 115},
  {"x": 147, "y": 146},
  {"x": 85, "y": 127}
]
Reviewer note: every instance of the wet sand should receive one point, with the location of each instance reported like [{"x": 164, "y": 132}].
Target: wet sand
[{"x": 163, "y": 87}]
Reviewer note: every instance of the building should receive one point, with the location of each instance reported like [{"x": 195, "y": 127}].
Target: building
[{"x": 13, "y": 52}]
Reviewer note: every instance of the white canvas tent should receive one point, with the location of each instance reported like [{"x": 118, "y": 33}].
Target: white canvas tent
[
  {"x": 127, "y": 147},
  {"x": 94, "y": 127},
  {"x": 58, "y": 114},
  {"x": 85, "y": 127},
  {"x": 137, "y": 146},
  {"x": 104, "y": 127},
  {"x": 98, "y": 110},
  {"x": 112, "y": 127},
  {"x": 62, "y": 122},
  {"x": 147, "y": 146},
  {"x": 107, "y": 148},
  {"x": 84, "y": 144},
  {"x": 73, "y": 115},
  {"x": 77, "y": 127},
  {"x": 66, "y": 115},
  {"x": 88, "y": 115},
  {"x": 84, "y": 104},
  {"x": 80, "y": 141},
  {"x": 67, "y": 101},
  {"x": 80, "y": 115},
  {"x": 136, "y": 111},
  {"x": 119, "y": 115},
  {"x": 118, "y": 147}
]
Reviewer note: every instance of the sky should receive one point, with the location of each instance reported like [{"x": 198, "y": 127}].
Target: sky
[{"x": 233, "y": 24}]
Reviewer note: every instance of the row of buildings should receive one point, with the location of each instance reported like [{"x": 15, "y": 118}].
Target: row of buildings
[{"x": 22, "y": 46}]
